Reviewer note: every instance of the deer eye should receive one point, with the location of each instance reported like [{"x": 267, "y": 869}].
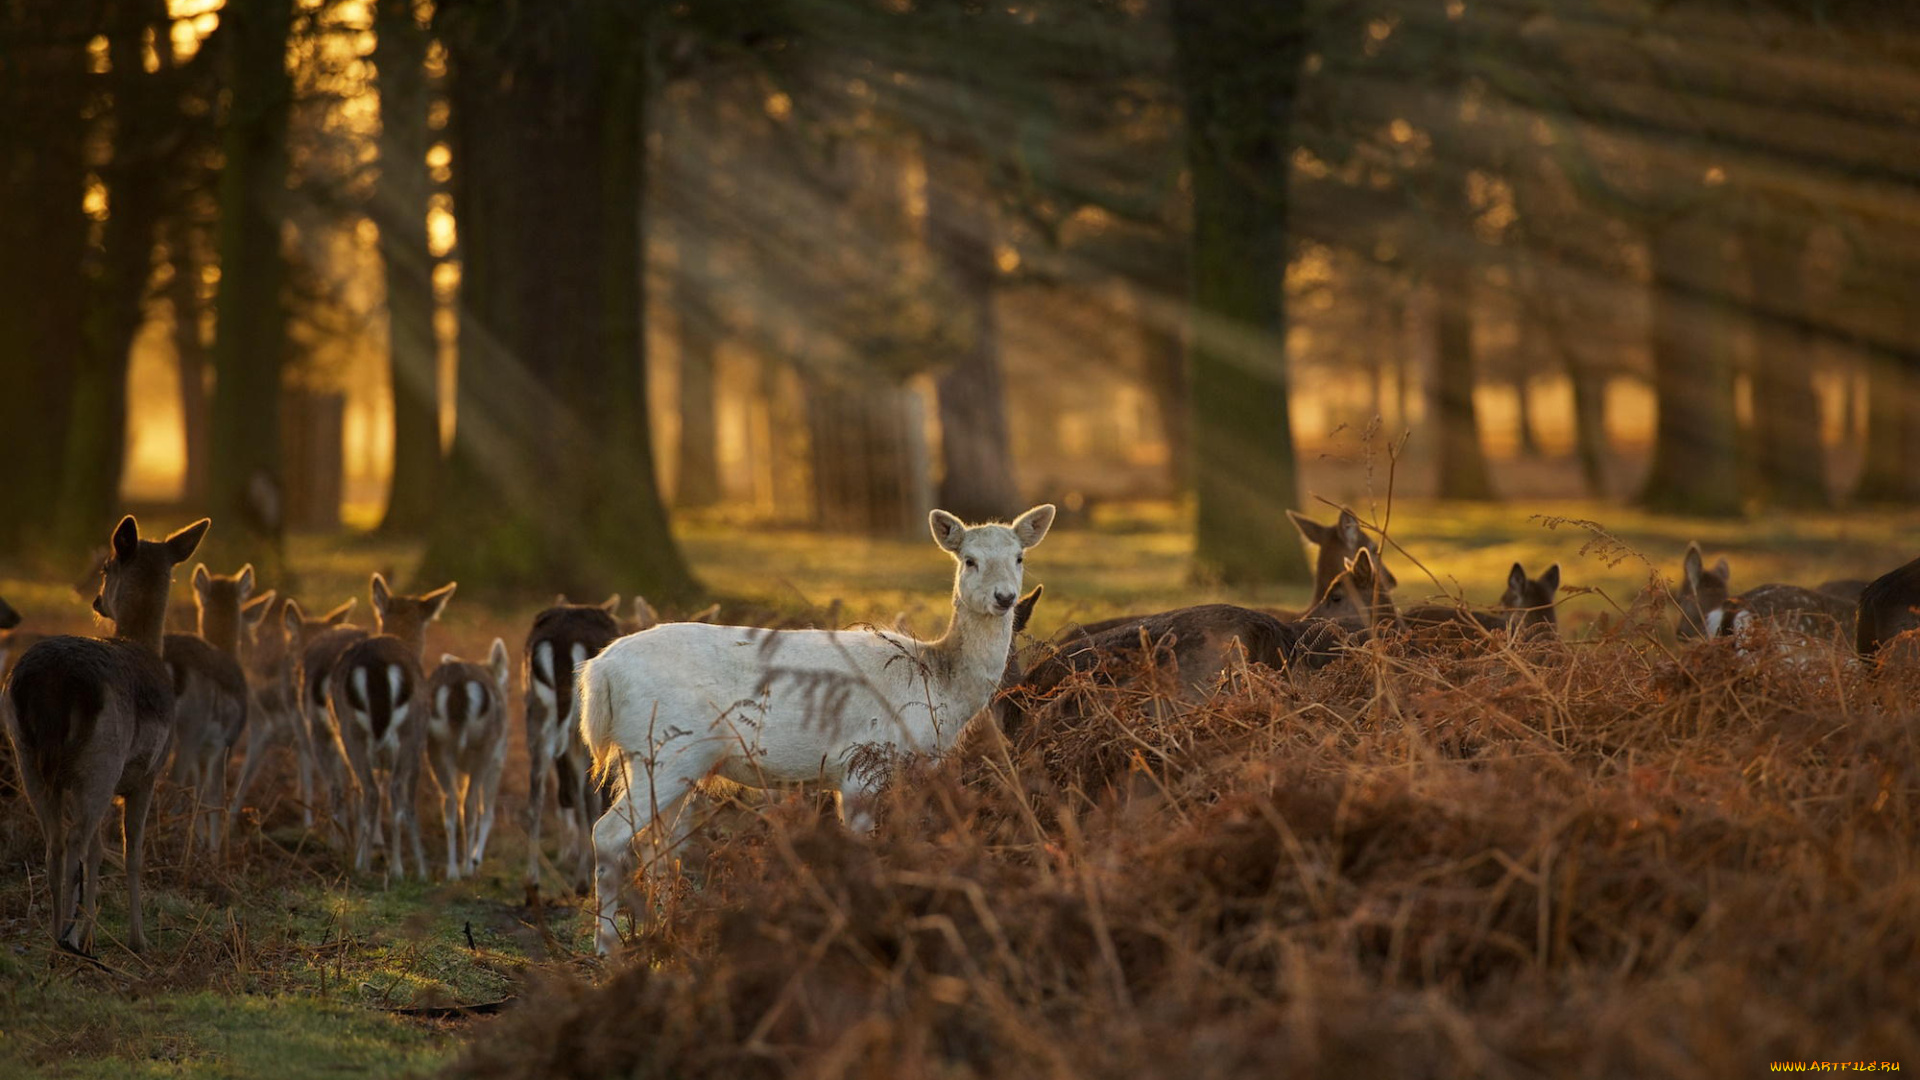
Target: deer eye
[
  {"x": 1019, "y": 560},
  {"x": 971, "y": 565}
]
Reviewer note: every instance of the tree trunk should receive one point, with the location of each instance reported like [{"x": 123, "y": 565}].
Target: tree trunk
[
  {"x": 869, "y": 461},
  {"x": 977, "y": 481},
  {"x": 1461, "y": 460},
  {"x": 1589, "y": 423},
  {"x": 190, "y": 353},
  {"x": 1528, "y": 446},
  {"x": 1238, "y": 65},
  {"x": 96, "y": 442},
  {"x": 400, "y": 210},
  {"x": 551, "y": 483},
  {"x": 1791, "y": 465},
  {"x": 43, "y": 238},
  {"x": 250, "y": 339},
  {"x": 1695, "y": 468},
  {"x": 1166, "y": 349},
  {"x": 697, "y": 482}
]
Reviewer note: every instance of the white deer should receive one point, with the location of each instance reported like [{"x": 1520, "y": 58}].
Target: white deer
[{"x": 666, "y": 708}]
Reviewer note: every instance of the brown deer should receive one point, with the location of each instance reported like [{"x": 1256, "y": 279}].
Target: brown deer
[
  {"x": 466, "y": 748},
  {"x": 91, "y": 719},
  {"x": 374, "y": 696},
  {"x": 313, "y": 647},
  {"x": 1889, "y": 608},
  {"x": 210, "y": 698},
  {"x": 1707, "y": 604},
  {"x": 562, "y": 638},
  {"x": 263, "y": 656},
  {"x": 1338, "y": 543},
  {"x": 1526, "y": 607},
  {"x": 1201, "y": 640}
]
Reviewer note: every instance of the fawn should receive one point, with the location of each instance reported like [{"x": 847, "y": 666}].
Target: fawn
[
  {"x": 313, "y": 646},
  {"x": 1338, "y": 543},
  {"x": 91, "y": 719},
  {"x": 211, "y": 698},
  {"x": 466, "y": 748},
  {"x": 372, "y": 692},
  {"x": 1706, "y": 603},
  {"x": 1889, "y": 608},
  {"x": 1526, "y": 607},
  {"x": 564, "y": 637}
]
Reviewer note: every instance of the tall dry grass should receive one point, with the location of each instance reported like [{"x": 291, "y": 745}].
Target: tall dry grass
[{"x": 1439, "y": 856}]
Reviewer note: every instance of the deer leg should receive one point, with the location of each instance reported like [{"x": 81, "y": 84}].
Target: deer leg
[
  {"x": 540, "y": 765},
  {"x": 90, "y": 881},
  {"x": 487, "y": 788},
  {"x": 134, "y": 829},
  {"x": 60, "y": 877},
  {"x": 613, "y": 864},
  {"x": 216, "y": 810},
  {"x": 407, "y": 814}
]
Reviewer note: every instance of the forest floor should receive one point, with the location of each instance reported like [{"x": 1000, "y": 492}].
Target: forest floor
[{"x": 279, "y": 961}]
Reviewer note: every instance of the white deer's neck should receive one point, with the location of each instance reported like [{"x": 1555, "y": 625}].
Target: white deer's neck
[{"x": 965, "y": 665}]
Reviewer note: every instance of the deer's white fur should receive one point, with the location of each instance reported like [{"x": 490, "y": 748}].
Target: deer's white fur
[{"x": 665, "y": 708}]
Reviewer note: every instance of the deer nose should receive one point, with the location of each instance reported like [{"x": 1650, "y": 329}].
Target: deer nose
[{"x": 1004, "y": 600}]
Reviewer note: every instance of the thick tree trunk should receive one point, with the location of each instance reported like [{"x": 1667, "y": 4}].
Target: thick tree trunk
[
  {"x": 43, "y": 238},
  {"x": 551, "y": 483},
  {"x": 1695, "y": 468},
  {"x": 1166, "y": 349},
  {"x": 250, "y": 339},
  {"x": 1461, "y": 460},
  {"x": 977, "y": 480},
  {"x": 96, "y": 439},
  {"x": 400, "y": 210},
  {"x": 1239, "y": 66},
  {"x": 1878, "y": 278},
  {"x": 1791, "y": 459},
  {"x": 697, "y": 472},
  {"x": 190, "y": 353}
]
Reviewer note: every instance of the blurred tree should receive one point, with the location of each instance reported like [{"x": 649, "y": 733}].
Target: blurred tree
[
  {"x": 399, "y": 208},
  {"x": 138, "y": 123},
  {"x": 44, "y": 91},
  {"x": 977, "y": 480},
  {"x": 551, "y": 482},
  {"x": 1238, "y": 65},
  {"x": 697, "y": 479},
  {"x": 250, "y": 337},
  {"x": 1788, "y": 451},
  {"x": 1695, "y": 467},
  {"x": 1460, "y": 460},
  {"x": 1880, "y": 282}
]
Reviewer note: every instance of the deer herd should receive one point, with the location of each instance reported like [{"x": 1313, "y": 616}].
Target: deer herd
[{"x": 632, "y": 721}]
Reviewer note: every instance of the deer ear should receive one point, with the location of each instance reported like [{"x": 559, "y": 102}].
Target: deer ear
[
  {"x": 947, "y": 529},
  {"x": 1363, "y": 568},
  {"x": 1551, "y": 579},
  {"x": 1310, "y": 530},
  {"x": 1725, "y": 572},
  {"x": 1031, "y": 527},
  {"x": 437, "y": 599},
  {"x": 1349, "y": 527},
  {"x": 339, "y": 615},
  {"x": 1023, "y": 611},
  {"x": 498, "y": 661},
  {"x": 181, "y": 545},
  {"x": 1517, "y": 579},
  {"x": 126, "y": 538},
  {"x": 382, "y": 596},
  {"x": 292, "y": 617},
  {"x": 644, "y": 615},
  {"x": 1691, "y": 566},
  {"x": 9, "y": 619},
  {"x": 255, "y": 610},
  {"x": 612, "y": 604},
  {"x": 201, "y": 579}
]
